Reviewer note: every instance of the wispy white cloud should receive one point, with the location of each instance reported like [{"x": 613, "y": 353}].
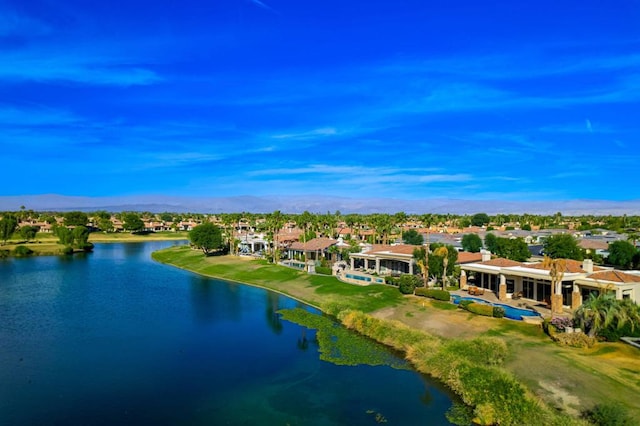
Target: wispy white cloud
[
  {"x": 311, "y": 134},
  {"x": 74, "y": 64},
  {"x": 263, "y": 6},
  {"x": 11, "y": 116}
]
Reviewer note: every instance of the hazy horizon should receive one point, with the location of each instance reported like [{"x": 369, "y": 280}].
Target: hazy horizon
[{"x": 318, "y": 204}]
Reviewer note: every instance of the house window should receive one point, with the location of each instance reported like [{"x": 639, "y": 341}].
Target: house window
[
  {"x": 567, "y": 289},
  {"x": 543, "y": 290},
  {"x": 585, "y": 292},
  {"x": 511, "y": 285},
  {"x": 528, "y": 288}
]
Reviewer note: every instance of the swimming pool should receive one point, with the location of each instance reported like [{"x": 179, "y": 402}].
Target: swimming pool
[{"x": 509, "y": 311}]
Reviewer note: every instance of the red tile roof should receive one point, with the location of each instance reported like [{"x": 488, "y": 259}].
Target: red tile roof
[
  {"x": 467, "y": 257},
  {"x": 571, "y": 267},
  {"x": 502, "y": 263},
  {"x": 314, "y": 244},
  {"x": 615, "y": 276},
  {"x": 397, "y": 249}
]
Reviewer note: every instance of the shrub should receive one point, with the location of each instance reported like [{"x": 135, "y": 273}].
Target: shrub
[
  {"x": 324, "y": 270},
  {"x": 575, "y": 340},
  {"x": 392, "y": 280},
  {"x": 464, "y": 304},
  {"x": 480, "y": 309},
  {"x": 561, "y": 323},
  {"x": 498, "y": 312},
  {"x": 67, "y": 250},
  {"x": 22, "y": 251},
  {"x": 609, "y": 415},
  {"x": 485, "y": 350},
  {"x": 433, "y": 293},
  {"x": 408, "y": 284},
  {"x": 613, "y": 333}
]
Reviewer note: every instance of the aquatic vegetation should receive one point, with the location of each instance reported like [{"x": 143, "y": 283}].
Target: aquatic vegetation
[{"x": 341, "y": 346}]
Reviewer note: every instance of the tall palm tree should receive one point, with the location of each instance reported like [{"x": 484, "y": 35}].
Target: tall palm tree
[
  {"x": 598, "y": 312},
  {"x": 556, "y": 268},
  {"x": 421, "y": 255},
  {"x": 444, "y": 252}
]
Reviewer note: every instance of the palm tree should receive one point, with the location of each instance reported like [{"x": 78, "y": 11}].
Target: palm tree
[
  {"x": 442, "y": 251},
  {"x": 600, "y": 311},
  {"x": 421, "y": 256},
  {"x": 556, "y": 268}
]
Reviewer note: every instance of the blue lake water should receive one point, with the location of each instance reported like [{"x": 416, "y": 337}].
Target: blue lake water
[{"x": 114, "y": 338}]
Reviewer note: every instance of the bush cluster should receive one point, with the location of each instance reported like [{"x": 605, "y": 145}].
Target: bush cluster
[
  {"x": 482, "y": 309},
  {"x": 609, "y": 415},
  {"x": 324, "y": 270},
  {"x": 434, "y": 293},
  {"x": 22, "y": 251},
  {"x": 575, "y": 340},
  {"x": 561, "y": 323}
]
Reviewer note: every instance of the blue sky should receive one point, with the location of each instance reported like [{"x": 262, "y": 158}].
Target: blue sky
[{"x": 407, "y": 99}]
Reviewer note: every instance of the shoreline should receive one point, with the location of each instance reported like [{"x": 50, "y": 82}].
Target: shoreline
[{"x": 48, "y": 245}]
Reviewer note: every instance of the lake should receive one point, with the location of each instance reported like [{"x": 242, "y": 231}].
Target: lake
[{"x": 113, "y": 337}]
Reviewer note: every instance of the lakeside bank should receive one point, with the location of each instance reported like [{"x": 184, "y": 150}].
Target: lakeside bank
[
  {"x": 535, "y": 377},
  {"x": 47, "y": 244}
]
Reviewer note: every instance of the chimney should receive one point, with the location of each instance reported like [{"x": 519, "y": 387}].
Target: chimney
[
  {"x": 486, "y": 255},
  {"x": 587, "y": 265}
]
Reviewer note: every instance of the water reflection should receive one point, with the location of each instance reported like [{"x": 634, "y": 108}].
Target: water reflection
[
  {"x": 214, "y": 300},
  {"x": 271, "y": 309}
]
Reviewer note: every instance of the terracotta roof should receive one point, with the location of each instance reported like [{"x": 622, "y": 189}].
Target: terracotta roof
[
  {"x": 593, "y": 244},
  {"x": 467, "y": 257},
  {"x": 615, "y": 276},
  {"x": 314, "y": 244},
  {"x": 397, "y": 249},
  {"x": 502, "y": 262},
  {"x": 571, "y": 266}
]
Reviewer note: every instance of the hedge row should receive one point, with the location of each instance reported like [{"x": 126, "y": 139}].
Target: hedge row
[
  {"x": 433, "y": 293},
  {"x": 482, "y": 309}
]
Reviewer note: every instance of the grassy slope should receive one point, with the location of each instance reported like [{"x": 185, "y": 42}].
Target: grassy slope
[{"x": 567, "y": 378}]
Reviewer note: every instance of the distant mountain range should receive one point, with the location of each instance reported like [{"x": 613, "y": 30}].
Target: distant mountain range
[{"x": 313, "y": 204}]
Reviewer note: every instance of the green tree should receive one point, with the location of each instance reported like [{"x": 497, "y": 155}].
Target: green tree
[
  {"x": 563, "y": 246},
  {"x": 421, "y": 256},
  {"x": 472, "y": 243},
  {"x": 512, "y": 248},
  {"x": 105, "y": 225},
  {"x": 75, "y": 218},
  {"x": 81, "y": 238},
  {"x": 412, "y": 237},
  {"x": 621, "y": 254},
  {"x": 64, "y": 234},
  {"x": 438, "y": 266},
  {"x": 491, "y": 242},
  {"x": 132, "y": 222},
  {"x": 28, "y": 232},
  {"x": 480, "y": 219},
  {"x": 207, "y": 237},
  {"x": 166, "y": 217},
  {"x": 8, "y": 225}
]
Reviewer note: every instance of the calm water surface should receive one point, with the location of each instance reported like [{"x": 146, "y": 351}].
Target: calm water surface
[{"x": 113, "y": 338}]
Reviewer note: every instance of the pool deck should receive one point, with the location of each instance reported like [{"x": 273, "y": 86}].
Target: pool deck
[{"x": 521, "y": 303}]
